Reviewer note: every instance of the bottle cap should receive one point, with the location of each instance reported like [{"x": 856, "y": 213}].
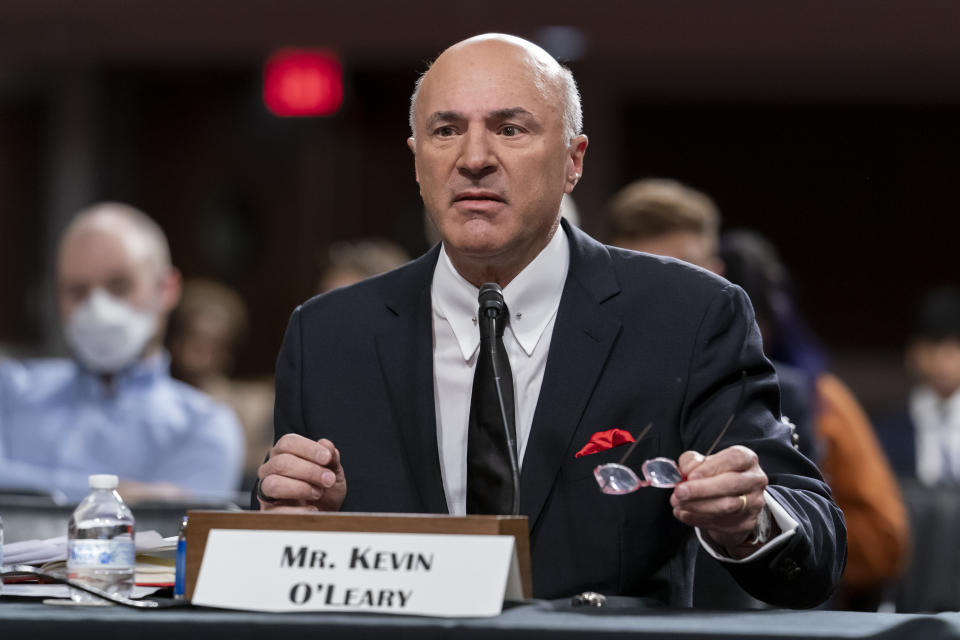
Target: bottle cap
[{"x": 103, "y": 481}]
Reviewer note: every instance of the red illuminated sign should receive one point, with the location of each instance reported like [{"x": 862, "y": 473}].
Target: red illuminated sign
[{"x": 303, "y": 82}]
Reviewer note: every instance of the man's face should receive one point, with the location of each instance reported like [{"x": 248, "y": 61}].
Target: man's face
[
  {"x": 99, "y": 259},
  {"x": 936, "y": 363},
  {"x": 490, "y": 152},
  {"x": 688, "y": 246}
]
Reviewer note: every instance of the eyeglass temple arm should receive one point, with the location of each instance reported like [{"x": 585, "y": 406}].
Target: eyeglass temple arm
[
  {"x": 636, "y": 440},
  {"x": 736, "y": 410}
]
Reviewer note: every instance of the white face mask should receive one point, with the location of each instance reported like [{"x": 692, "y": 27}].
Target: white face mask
[{"x": 107, "y": 334}]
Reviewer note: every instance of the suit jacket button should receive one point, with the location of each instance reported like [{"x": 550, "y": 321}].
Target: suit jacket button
[{"x": 789, "y": 569}]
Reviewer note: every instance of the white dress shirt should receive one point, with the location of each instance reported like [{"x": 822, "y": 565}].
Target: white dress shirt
[
  {"x": 532, "y": 298},
  {"x": 937, "y": 435}
]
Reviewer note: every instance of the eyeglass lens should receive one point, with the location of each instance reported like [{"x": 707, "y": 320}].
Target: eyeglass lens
[
  {"x": 662, "y": 473},
  {"x": 616, "y": 479}
]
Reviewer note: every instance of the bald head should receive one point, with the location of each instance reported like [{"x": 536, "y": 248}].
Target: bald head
[
  {"x": 120, "y": 250},
  {"x": 552, "y": 78},
  {"x": 494, "y": 154},
  {"x": 142, "y": 237}
]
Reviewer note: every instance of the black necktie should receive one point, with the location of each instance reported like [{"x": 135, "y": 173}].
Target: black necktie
[{"x": 491, "y": 450}]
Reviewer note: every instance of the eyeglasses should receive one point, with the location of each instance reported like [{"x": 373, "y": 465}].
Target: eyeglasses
[{"x": 615, "y": 479}]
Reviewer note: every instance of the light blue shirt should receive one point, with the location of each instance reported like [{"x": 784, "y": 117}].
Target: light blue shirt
[{"x": 60, "y": 423}]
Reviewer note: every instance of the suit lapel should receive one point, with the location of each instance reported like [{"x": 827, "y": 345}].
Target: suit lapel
[
  {"x": 406, "y": 361},
  {"x": 583, "y": 336}
]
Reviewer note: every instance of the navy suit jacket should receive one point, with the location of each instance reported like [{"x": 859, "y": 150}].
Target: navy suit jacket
[{"x": 637, "y": 339}]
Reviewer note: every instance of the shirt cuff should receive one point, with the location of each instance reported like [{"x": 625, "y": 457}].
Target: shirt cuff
[{"x": 783, "y": 519}]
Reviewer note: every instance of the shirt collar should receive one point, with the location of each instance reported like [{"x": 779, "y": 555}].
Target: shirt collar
[
  {"x": 532, "y": 297},
  {"x": 143, "y": 370}
]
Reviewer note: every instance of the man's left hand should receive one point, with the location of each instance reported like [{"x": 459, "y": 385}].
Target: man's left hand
[{"x": 722, "y": 494}]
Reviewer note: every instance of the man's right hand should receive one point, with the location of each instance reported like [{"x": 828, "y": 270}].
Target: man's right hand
[{"x": 302, "y": 475}]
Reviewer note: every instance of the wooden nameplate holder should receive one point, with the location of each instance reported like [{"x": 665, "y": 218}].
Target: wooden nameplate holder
[{"x": 201, "y": 522}]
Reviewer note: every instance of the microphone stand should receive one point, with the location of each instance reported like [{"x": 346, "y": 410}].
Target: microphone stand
[{"x": 492, "y": 314}]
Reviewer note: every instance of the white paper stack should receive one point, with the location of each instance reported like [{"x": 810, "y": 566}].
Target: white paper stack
[{"x": 37, "y": 552}]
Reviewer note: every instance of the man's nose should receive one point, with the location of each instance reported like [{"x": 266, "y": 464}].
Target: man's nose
[{"x": 477, "y": 157}]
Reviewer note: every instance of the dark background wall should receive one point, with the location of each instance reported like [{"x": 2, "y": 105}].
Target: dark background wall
[
  {"x": 832, "y": 129},
  {"x": 859, "y": 198}
]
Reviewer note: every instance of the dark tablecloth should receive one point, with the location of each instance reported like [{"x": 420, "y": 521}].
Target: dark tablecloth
[{"x": 35, "y": 621}]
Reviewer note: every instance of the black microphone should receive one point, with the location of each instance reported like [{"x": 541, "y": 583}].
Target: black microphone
[
  {"x": 491, "y": 300},
  {"x": 491, "y": 310}
]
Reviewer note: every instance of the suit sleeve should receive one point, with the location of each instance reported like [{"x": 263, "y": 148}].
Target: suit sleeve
[
  {"x": 728, "y": 353},
  {"x": 288, "y": 406}
]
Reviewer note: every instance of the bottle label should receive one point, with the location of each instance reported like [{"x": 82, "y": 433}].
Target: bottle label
[{"x": 100, "y": 553}]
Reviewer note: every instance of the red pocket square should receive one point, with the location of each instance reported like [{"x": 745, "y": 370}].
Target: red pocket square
[{"x": 603, "y": 440}]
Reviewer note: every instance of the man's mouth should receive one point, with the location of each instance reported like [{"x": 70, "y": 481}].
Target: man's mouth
[{"x": 478, "y": 196}]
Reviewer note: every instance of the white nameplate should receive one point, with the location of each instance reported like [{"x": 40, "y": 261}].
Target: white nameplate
[{"x": 403, "y": 573}]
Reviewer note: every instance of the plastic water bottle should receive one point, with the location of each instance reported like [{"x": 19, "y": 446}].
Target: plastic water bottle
[{"x": 100, "y": 549}]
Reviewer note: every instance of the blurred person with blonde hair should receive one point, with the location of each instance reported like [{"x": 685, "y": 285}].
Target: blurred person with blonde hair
[
  {"x": 113, "y": 407},
  {"x": 667, "y": 218}
]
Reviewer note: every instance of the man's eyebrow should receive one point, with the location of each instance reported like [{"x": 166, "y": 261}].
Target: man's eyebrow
[
  {"x": 498, "y": 114},
  {"x": 442, "y": 116},
  {"x": 511, "y": 112}
]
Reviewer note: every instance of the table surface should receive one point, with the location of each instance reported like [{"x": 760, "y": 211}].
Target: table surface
[{"x": 529, "y": 620}]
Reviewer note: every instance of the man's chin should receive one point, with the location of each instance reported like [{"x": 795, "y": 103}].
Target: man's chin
[
  {"x": 475, "y": 248},
  {"x": 475, "y": 238}
]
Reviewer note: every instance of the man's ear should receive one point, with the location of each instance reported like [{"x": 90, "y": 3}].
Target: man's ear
[
  {"x": 577, "y": 149},
  {"x": 412, "y": 143},
  {"x": 171, "y": 286}
]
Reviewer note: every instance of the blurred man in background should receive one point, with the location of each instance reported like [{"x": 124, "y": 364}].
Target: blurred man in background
[
  {"x": 923, "y": 441},
  {"x": 207, "y": 330},
  {"x": 114, "y": 408},
  {"x": 666, "y": 218}
]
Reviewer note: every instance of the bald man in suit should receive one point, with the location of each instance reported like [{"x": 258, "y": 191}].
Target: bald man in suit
[{"x": 373, "y": 380}]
